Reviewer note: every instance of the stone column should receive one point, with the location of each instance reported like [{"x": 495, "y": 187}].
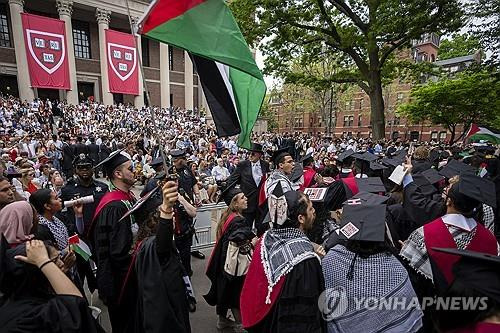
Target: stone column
[
  {"x": 139, "y": 99},
  {"x": 188, "y": 82},
  {"x": 164, "y": 76},
  {"x": 23, "y": 76},
  {"x": 65, "y": 8},
  {"x": 103, "y": 16}
]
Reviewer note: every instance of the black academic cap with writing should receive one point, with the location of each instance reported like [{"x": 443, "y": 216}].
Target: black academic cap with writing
[
  {"x": 454, "y": 168},
  {"x": 278, "y": 154},
  {"x": 370, "y": 198},
  {"x": 363, "y": 221},
  {"x": 480, "y": 189},
  {"x": 345, "y": 154},
  {"x": 115, "y": 159},
  {"x": 477, "y": 271},
  {"x": 229, "y": 192},
  {"x": 370, "y": 184}
]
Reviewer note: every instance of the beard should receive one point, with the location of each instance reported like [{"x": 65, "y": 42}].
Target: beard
[{"x": 128, "y": 181}]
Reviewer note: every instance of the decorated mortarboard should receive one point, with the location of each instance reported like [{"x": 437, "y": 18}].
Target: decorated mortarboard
[
  {"x": 316, "y": 193},
  {"x": 370, "y": 198},
  {"x": 115, "y": 159},
  {"x": 454, "y": 168},
  {"x": 229, "y": 192},
  {"x": 278, "y": 154},
  {"x": 370, "y": 184},
  {"x": 345, "y": 154},
  {"x": 377, "y": 166},
  {"x": 362, "y": 221},
  {"x": 477, "y": 271},
  {"x": 82, "y": 160},
  {"x": 146, "y": 204},
  {"x": 480, "y": 189},
  {"x": 177, "y": 153}
]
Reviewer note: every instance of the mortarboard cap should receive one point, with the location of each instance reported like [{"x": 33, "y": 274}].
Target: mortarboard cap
[
  {"x": 278, "y": 154},
  {"x": 477, "y": 271},
  {"x": 366, "y": 156},
  {"x": 370, "y": 198},
  {"x": 432, "y": 176},
  {"x": 424, "y": 185},
  {"x": 377, "y": 166},
  {"x": 229, "y": 192},
  {"x": 115, "y": 159},
  {"x": 395, "y": 161},
  {"x": 480, "y": 189},
  {"x": 362, "y": 221},
  {"x": 454, "y": 168},
  {"x": 345, "y": 154},
  {"x": 370, "y": 184}
]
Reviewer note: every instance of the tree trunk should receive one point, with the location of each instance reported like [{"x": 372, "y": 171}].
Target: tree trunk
[
  {"x": 452, "y": 137},
  {"x": 376, "y": 105}
]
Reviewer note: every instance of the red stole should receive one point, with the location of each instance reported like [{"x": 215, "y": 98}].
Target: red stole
[
  {"x": 227, "y": 223},
  {"x": 253, "y": 305},
  {"x": 309, "y": 174},
  {"x": 436, "y": 234},
  {"x": 351, "y": 184},
  {"x": 262, "y": 190},
  {"x": 115, "y": 195}
]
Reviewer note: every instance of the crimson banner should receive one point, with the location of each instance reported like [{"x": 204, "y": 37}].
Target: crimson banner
[
  {"x": 46, "y": 51},
  {"x": 122, "y": 63}
]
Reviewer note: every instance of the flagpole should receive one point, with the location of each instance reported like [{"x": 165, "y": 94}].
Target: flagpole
[{"x": 146, "y": 91}]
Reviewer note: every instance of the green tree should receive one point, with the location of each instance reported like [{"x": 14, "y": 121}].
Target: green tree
[
  {"x": 485, "y": 25},
  {"x": 470, "y": 97},
  {"x": 363, "y": 34},
  {"x": 459, "y": 45}
]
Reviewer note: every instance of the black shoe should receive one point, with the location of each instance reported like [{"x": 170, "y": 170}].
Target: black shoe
[
  {"x": 198, "y": 254},
  {"x": 192, "y": 304}
]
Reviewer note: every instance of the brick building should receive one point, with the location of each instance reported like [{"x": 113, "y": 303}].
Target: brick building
[
  {"x": 351, "y": 114},
  {"x": 170, "y": 76}
]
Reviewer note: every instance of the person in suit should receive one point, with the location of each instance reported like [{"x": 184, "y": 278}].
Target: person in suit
[
  {"x": 93, "y": 149},
  {"x": 80, "y": 147},
  {"x": 251, "y": 175},
  {"x": 104, "y": 152}
]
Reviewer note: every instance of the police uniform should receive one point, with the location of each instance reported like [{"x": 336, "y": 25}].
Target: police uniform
[{"x": 183, "y": 223}]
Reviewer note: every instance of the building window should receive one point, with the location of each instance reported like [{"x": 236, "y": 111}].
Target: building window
[
  {"x": 434, "y": 135},
  {"x": 361, "y": 103},
  {"x": 145, "y": 51},
  {"x": 4, "y": 28},
  {"x": 348, "y": 121},
  {"x": 397, "y": 121},
  {"x": 298, "y": 122},
  {"x": 414, "y": 135},
  {"x": 442, "y": 136},
  {"x": 171, "y": 58},
  {"x": 360, "y": 118},
  {"x": 81, "y": 39}
]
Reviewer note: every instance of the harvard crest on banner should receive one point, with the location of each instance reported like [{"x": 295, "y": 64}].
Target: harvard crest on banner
[
  {"x": 122, "y": 63},
  {"x": 46, "y": 51}
]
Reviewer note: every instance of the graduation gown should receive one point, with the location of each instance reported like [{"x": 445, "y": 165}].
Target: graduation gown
[
  {"x": 60, "y": 314},
  {"x": 162, "y": 304},
  {"x": 296, "y": 307},
  {"x": 225, "y": 290}
]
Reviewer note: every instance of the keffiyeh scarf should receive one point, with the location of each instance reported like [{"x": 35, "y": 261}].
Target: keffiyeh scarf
[
  {"x": 58, "y": 229},
  {"x": 281, "y": 250}
]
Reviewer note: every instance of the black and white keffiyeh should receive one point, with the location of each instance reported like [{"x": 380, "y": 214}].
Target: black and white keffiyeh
[
  {"x": 58, "y": 229},
  {"x": 281, "y": 250}
]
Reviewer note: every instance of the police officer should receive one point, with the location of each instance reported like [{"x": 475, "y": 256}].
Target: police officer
[
  {"x": 83, "y": 185},
  {"x": 185, "y": 210}
]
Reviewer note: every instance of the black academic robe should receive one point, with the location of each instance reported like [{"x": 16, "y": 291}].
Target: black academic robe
[
  {"x": 60, "y": 314},
  {"x": 421, "y": 208},
  {"x": 225, "y": 290},
  {"x": 400, "y": 224},
  {"x": 296, "y": 309},
  {"x": 162, "y": 304}
]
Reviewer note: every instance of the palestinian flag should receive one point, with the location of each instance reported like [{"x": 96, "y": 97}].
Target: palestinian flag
[
  {"x": 477, "y": 133},
  {"x": 232, "y": 82},
  {"x": 79, "y": 246}
]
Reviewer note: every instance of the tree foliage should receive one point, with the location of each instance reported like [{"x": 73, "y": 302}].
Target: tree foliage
[
  {"x": 485, "y": 24},
  {"x": 362, "y": 35},
  {"x": 470, "y": 97},
  {"x": 459, "y": 45}
]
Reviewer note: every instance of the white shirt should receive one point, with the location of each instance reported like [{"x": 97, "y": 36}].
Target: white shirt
[
  {"x": 220, "y": 173},
  {"x": 256, "y": 172}
]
